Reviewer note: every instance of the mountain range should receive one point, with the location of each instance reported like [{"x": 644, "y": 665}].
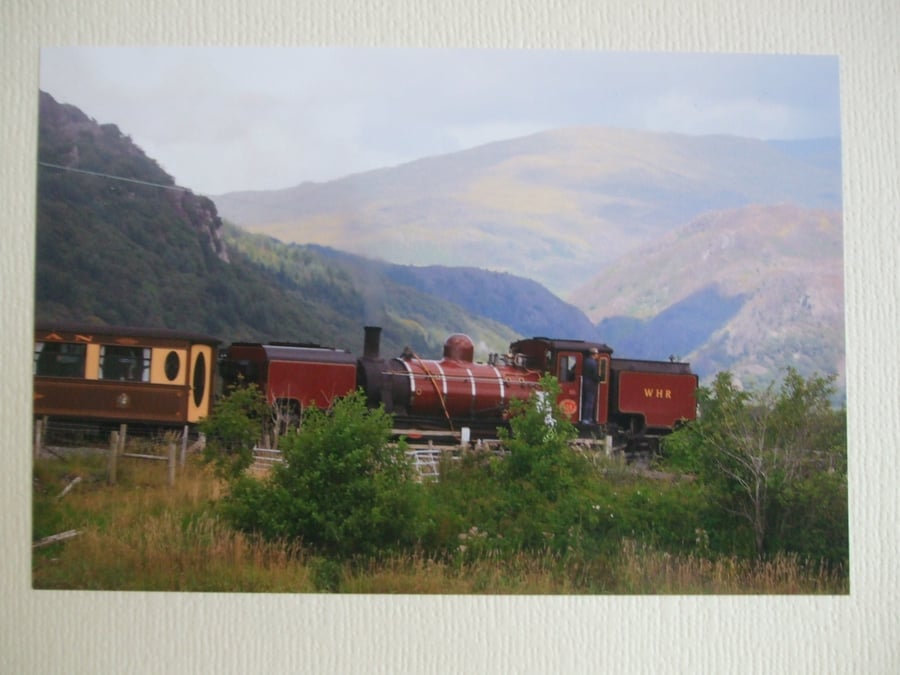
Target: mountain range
[
  {"x": 751, "y": 290},
  {"x": 117, "y": 242},
  {"x": 558, "y": 207},
  {"x": 724, "y": 251}
]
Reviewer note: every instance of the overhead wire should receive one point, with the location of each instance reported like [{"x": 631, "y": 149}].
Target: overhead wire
[
  {"x": 177, "y": 188},
  {"x": 113, "y": 177}
]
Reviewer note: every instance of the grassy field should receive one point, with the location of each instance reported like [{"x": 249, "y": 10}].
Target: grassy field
[{"x": 141, "y": 534}]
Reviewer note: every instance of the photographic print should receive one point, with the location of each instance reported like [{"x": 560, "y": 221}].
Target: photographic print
[{"x": 439, "y": 321}]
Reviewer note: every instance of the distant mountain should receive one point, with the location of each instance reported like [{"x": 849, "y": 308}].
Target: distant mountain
[
  {"x": 751, "y": 290},
  {"x": 677, "y": 330},
  {"x": 824, "y": 153},
  {"x": 557, "y": 206},
  {"x": 522, "y": 304},
  {"x": 621, "y": 218}
]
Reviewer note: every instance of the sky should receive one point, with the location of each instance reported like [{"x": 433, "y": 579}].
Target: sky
[{"x": 229, "y": 119}]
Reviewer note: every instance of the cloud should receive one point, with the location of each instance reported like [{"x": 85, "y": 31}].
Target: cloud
[
  {"x": 740, "y": 117},
  {"x": 230, "y": 119}
]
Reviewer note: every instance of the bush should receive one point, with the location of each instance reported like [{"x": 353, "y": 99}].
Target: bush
[
  {"x": 529, "y": 500},
  {"x": 343, "y": 489},
  {"x": 233, "y": 428},
  {"x": 540, "y": 458},
  {"x": 813, "y": 519},
  {"x": 773, "y": 463}
]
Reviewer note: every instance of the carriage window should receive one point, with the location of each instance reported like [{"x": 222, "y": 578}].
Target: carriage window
[
  {"x": 199, "y": 379},
  {"x": 172, "y": 366},
  {"x": 124, "y": 363},
  {"x": 59, "y": 359}
]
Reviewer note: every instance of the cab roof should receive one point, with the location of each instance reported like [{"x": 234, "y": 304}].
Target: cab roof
[{"x": 558, "y": 344}]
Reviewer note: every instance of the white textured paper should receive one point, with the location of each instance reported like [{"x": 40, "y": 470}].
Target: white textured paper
[{"x": 87, "y": 632}]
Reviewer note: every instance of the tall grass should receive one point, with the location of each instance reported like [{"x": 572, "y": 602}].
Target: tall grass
[
  {"x": 141, "y": 534},
  {"x": 635, "y": 570},
  {"x": 643, "y": 570}
]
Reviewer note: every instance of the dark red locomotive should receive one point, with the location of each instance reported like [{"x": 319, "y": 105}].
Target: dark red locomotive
[
  {"x": 635, "y": 402},
  {"x": 451, "y": 392}
]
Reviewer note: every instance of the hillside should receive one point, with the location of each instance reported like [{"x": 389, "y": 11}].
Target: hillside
[
  {"x": 558, "y": 206},
  {"x": 119, "y": 243},
  {"x": 522, "y": 304},
  {"x": 752, "y": 290}
]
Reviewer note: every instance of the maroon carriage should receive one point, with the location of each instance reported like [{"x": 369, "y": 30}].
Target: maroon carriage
[{"x": 292, "y": 376}]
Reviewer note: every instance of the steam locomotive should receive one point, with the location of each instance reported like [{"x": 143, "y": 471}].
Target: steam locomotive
[
  {"x": 636, "y": 401},
  {"x": 169, "y": 378}
]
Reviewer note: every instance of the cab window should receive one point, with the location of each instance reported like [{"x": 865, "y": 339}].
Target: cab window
[{"x": 567, "y": 368}]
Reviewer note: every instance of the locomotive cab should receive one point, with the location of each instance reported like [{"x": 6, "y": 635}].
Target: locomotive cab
[
  {"x": 565, "y": 360},
  {"x": 574, "y": 385}
]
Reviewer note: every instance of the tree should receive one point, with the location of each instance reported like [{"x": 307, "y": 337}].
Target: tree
[{"x": 756, "y": 447}]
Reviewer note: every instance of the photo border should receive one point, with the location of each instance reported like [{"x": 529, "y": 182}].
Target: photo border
[{"x": 48, "y": 631}]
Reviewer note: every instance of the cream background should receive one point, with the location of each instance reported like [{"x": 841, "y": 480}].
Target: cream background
[{"x": 96, "y": 632}]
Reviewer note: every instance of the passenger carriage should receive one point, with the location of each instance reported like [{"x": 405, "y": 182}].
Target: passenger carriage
[{"x": 140, "y": 375}]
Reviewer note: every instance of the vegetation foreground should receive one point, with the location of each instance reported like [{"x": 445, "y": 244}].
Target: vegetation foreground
[
  {"x": 143, "y": 535},
  {"x": 344, "y": 514}
]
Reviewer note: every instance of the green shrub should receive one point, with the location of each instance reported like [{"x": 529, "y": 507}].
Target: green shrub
[
  {"x": 527, "y": 500},
  {"x": 233, "y": 428},
  {"x": 343, "y": 489},
  {"x": 813, "y": 519},
  {"x": 773, "y": 465}
]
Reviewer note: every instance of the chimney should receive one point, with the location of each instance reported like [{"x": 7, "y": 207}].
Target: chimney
[{"x": 372, "y": 345}]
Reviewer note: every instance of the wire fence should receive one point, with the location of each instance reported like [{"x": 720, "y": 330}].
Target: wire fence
[{"x": 59, "y": 437}]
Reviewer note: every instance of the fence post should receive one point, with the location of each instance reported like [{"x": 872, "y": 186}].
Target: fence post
[
  {"x": 184, "y": 441},
  {"x": 38, "y": 432},
  {"x": 123, "y": 434},
  {"x": 113, "y": 456},
  {"x": 171, "y": 463}
]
